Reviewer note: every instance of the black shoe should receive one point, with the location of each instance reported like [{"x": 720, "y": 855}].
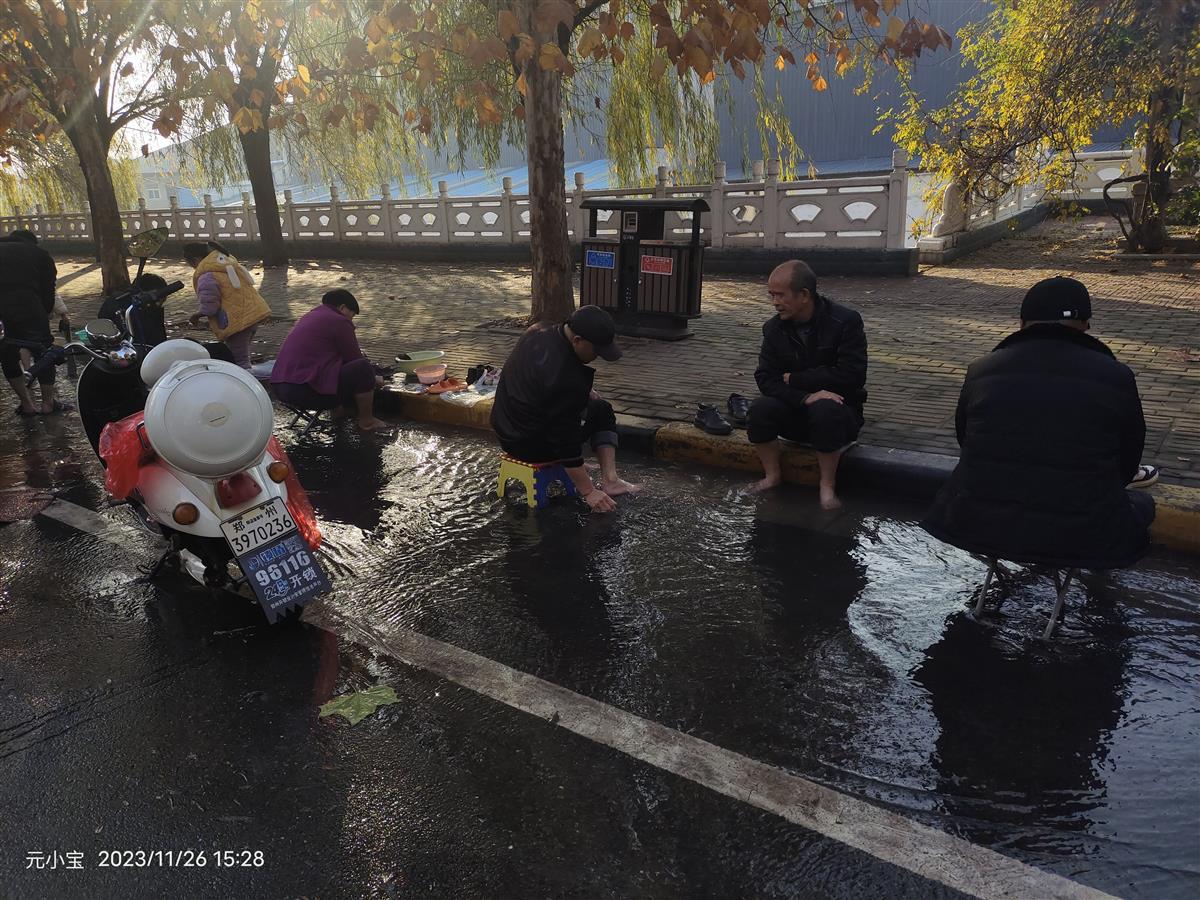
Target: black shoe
[
  {"x": 739, "y": 408},
  {"x": 708, "y": 419}
]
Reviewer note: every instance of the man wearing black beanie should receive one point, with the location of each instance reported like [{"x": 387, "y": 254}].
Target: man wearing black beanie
[{"x": 1051, "y": 430}]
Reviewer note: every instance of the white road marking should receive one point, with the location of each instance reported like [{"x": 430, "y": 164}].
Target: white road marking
[
  {"x": 927, "y": 852},
  {"x": 93, "y": 523}
]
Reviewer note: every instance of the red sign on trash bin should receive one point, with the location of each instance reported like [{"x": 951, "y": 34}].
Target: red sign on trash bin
[{"x": 657, "y": 265}]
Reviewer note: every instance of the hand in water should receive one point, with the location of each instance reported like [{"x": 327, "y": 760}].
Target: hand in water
[{"x": 599, "y": 501}]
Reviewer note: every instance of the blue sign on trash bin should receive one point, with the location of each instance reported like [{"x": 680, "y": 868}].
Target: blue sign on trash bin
[{"x": 599, "y": 259}]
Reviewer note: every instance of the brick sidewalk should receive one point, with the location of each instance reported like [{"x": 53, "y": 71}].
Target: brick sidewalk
[{"x": 922, "y": 331}]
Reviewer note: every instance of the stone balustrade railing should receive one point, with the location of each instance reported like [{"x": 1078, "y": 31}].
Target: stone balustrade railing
[
  {"x": 852, "y": 212},
  {"x": 765, "y": 212},
  {"x": 1093, "y": 170}
]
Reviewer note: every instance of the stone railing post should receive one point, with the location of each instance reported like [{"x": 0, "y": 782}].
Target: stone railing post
[
  {"x": 385, "y": 212},
  {"x": 1136, "y": 163},
  {"x": 716, "y": 200},
  {"x": 249, "y": 222},
  {"x": 335, "y": 213},
  {"x": 210, "y": 218},
  {"x": 17, "y": 213},
  {"x": 579, "y": 220},
  {"x": 444, "y": 210},
  {"x": 955, "y": 215},
  {"x": 62, "y": 222},
  {"x": 40, "y": 227},
  {"x": 897, "y": 201},
  {"x": 142, "y": 212},
  {"x": 289, "y": 215},
  {"x": 176, "y": 218},
  {"x": 771, "y": 204},
  {"x": 660, "y": 182},
  {"x": 506, "y": 210}
]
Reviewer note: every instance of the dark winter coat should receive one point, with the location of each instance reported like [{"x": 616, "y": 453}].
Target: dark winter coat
[
  {"x": 27, "y": 280},
  {"x": 1051, "y": 430},
  {"x": 543, "y": 393},
  {"x": 833, "y": 359}
]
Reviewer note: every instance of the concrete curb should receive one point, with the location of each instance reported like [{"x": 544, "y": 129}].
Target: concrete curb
[{"x": 906, "y": 473}]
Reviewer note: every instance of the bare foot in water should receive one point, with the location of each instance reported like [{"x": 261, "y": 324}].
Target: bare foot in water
[
  {"x": 765, "y": 485},
  {"x": 829, "y": 500},
  {"x": 371, "y": 424},
  {"x": 618, "y": 487}
]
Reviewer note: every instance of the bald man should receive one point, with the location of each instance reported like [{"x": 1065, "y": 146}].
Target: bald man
[{"x": 812, "y": 369}]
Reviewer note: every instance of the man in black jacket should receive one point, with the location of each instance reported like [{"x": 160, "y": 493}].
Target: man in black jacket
[
  {"x": 545, "y": 406},
  {"x": 812, "y": 369},
  {"x": 1051, "y": 430},
  {"x": 27, "y": 282}
]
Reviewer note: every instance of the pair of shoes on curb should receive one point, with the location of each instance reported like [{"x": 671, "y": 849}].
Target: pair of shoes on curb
[
  {"x": 1146, "y": 476},
  {"x": 708, "y": 419}
]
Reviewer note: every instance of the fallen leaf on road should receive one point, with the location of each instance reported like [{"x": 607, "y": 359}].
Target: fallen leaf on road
[{"x": 357, "y": 706}]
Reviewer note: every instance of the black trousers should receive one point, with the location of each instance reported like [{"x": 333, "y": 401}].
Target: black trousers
[
  {"x": 33, "y": 330},
  {"x": 826, "y": 424},
  {"x": 599, "y": 429},
  {"x": 355, "y": 377},
  {"x": 1143, "y": 507}
]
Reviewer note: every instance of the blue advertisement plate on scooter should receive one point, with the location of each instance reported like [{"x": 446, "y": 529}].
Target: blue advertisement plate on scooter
[{"x": 279, "y": 567}]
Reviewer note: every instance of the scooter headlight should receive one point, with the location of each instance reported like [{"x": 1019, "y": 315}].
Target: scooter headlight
[
  {"x": 278, "y": 471},
  {"x": 186, "y": 514}
]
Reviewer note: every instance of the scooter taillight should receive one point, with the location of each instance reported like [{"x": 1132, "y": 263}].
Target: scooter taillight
[{"x": 236, "y": 490}]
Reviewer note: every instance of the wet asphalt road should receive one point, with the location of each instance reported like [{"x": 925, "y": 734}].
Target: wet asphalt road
[{"x": 157, "y": 717}]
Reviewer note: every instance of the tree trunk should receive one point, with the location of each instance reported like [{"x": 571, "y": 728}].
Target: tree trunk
[
  {"x": 1148, "y": 230},
  {"x": 1176, "y": 22},
  {"x": 107, "y": 231},
  {"x": 553, "y": 295},
  {"x": 256, "y": 148}
]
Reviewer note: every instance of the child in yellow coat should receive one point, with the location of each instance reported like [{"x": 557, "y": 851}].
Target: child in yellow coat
[{"x": 226, "y": 294}]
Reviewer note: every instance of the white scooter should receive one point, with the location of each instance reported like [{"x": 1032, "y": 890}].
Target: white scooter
[{"x": 199, "y": 467}]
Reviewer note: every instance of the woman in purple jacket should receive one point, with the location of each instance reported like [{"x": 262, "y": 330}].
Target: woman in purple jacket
[{"x": 320, "y": 365}]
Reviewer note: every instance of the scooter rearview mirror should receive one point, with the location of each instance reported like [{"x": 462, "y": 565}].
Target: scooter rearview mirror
[{"x": 145, "y": 244}]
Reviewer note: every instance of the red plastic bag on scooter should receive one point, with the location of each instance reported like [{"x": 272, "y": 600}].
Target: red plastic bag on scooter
[
  {"x": 124, "y": 453},
  {"x": 298, "y": 503}
]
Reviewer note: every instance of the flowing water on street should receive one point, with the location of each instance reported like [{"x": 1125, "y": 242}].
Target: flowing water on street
[
  {"x": 836, "y": 646},
  {"x": 833, "y": 645}
]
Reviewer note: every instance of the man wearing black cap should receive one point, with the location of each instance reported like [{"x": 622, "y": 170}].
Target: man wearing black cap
[
  {"x": 545, "y": 406},
  {"x": 1051, "y": 430}
]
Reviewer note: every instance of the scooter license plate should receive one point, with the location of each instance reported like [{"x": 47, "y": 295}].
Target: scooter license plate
[
  {"x": 252, "y": 529},
  {"x": 277, "y": 563}
]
